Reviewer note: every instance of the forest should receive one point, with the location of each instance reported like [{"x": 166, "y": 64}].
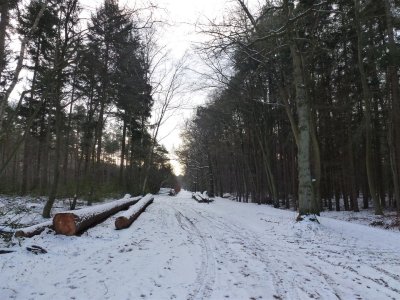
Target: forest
[
  {"x": 305, "y": 112},
  {"x": 80, "y": 124},
  {"x": 283, "y": 116},
  {"x": 307, "y": 115}
]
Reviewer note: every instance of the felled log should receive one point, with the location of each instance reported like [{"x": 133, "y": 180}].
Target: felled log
[
  {"x": 31, "y": 231},
  {"x": 199, "y": 197},
  {"x": 205, "y": 197},
  {"x": 128, "y": 217},
  {"x": 76, "y": 221},
  {"x": 196, "y": 196}
]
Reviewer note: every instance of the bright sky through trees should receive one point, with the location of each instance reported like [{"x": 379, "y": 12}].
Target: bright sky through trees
[{"x": 179, "y": 35}]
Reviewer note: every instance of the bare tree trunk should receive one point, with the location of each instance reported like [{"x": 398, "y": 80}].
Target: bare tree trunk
[
  {"x": 57, "y": 158},
  {"x": 4, "y": 21},
  {"x": 351, "y": 170},
  {"x": 45, "y": 160},
  {"x": 18, "y": 68},
  {"x": 394, "y": 128},
  {"x": 25, "y": 164},
  {"x": 211, "y": 176},
  {"x": 122, "y": 160},
  {"x": 303, "y": 151},
  {"x": 316, "y": 155},
  {"x": 67, "y": 140}
]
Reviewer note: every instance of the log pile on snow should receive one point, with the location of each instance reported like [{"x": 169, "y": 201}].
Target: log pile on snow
[
  {"x": 199, "y": 197},
  {"x": 76, "y": 221},
  {"x": 127, "y": 218},
  {"x": 31, "y": 231}
]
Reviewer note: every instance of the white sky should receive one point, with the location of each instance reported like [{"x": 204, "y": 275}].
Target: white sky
[{"x": 179, "y": 37}]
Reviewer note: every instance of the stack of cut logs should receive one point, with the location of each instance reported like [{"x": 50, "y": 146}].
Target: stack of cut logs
[
  {"x": 199, "y": 197},
  {"x": 74, "y": 222}
]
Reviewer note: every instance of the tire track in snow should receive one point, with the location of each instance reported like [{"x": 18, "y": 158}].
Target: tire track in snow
[
  {"x": 251, "y": 246},
  {"x": 299, "y": 274},
  {"x": 205, "y": 278}
]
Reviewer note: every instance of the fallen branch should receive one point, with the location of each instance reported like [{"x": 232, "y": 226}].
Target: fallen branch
[
  {"x": 6, "y": 251},
  {"x": 128, "y": 217},
  {"x": 31, "y": 231},
  {"x": 76, "y": 221},
  {"x": 36, "y": 249}
]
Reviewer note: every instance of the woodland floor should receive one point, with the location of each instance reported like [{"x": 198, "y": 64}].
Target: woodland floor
[{"x": 181, "y": 249}]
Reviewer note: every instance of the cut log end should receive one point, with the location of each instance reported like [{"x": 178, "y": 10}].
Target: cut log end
[
  {"x": 122, "y": 222},
  {"x": 64, "y": 223},
  {"x": 125, "y": 220}
]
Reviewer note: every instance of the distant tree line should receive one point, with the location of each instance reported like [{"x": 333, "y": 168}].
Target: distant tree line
[
  {"x": 81, "y": 124},
  {"x": 309, "y": 114}
]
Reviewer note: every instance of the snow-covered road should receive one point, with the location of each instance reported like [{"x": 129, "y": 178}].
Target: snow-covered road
[{"x": 181, "y": 249}]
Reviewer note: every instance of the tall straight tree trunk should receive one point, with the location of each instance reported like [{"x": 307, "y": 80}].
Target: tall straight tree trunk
[
  {"x": 210, "y": 175},
  {"x": 394, "y": 129},
  {"x": 305, "y": 191},
  {"x": 58, "y": 123},
  {"x": 36, "y": 175},
  {"x": 4, "y": 10},
  {"x": 57, "y": 159},
  {"x": 45, "y": 161},
  {"x": 67, "y": 140},
  {"x": 268, "y": 169},
  {"x": 100, "y": 125},
  {"x": 122, "y": 157},
  {"x": 25, "y": 164},
  {"x": 303, "y": 151},
  {"x": 56, "y": 96},
  {"x": 369, "y": 161},
  {"x": 316, "y": 159},
  {"x": 351, "y": 170}
]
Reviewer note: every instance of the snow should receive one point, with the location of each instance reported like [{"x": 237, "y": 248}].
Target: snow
[
  {"x": 365, "y": 217},
  {"x": 181, "y": 249}
]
